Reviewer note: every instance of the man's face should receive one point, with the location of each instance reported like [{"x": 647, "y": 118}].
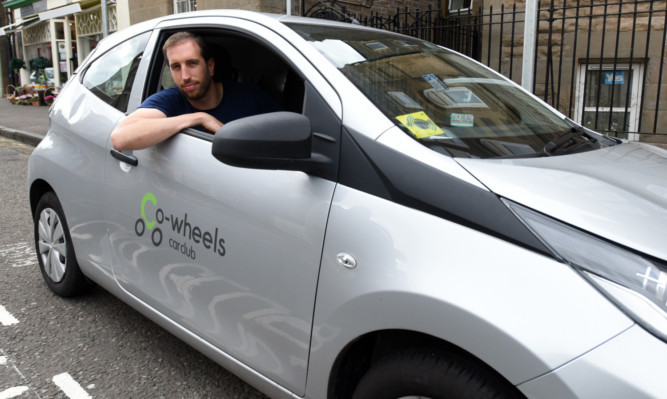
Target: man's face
[{"x": 191, "y": 73}]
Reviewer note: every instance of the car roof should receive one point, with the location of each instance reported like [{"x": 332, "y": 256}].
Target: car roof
[{"x": 264, "y": 18}]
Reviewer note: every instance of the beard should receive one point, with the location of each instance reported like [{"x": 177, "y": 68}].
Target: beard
[{"x": 204, "y": 86}]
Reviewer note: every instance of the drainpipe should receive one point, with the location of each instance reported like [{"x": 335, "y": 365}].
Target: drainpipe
[
  {"x": 105, "y": 18},
  {"x": 529, "y": 44}
]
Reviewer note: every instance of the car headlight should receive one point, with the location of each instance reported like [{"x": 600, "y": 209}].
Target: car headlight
[{"x": 635, "y": 283}]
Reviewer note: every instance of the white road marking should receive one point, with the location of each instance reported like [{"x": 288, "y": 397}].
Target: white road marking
[
  {"x": 70, "y": 387},
  {"x": 3, "y": 360},
  {"x": 18, "y": 255},
  {"x": 13, "y": 392},
  {"x": 6, "y": 318}
]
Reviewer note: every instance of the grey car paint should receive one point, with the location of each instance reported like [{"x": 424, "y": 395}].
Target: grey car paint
[
  {"x": 619, "y": 193},
  {"x": 276, "y": 306}
]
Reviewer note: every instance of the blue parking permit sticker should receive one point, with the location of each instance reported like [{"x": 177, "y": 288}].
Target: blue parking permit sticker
[
  {"x": 436, "y": 83},
  {"x": 462, "y": 120}
]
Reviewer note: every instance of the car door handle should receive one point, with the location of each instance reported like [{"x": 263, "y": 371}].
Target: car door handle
[{"x": 128, "y": 159}]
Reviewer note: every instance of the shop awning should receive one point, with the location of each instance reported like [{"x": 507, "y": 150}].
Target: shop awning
[
  {"x": 60, "y": 12},
  {"x": 12, "y": 4},
  {"x": 13, "y": 27}
]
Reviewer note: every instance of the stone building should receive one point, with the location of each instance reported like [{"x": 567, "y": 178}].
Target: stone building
[{"x": 600, "y": 62}]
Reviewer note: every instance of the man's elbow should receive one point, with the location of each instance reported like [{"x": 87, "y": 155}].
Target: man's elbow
[{"x": 118, "y": 142}]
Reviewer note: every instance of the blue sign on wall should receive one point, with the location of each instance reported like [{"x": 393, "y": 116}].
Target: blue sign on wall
[{"x": 609, "y": 78}]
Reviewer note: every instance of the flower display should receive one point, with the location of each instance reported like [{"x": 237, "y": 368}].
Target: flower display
[{"x": 35, "y": 94}]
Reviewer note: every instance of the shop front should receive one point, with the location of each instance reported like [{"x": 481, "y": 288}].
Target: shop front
[{"x": 52, "y": 36}]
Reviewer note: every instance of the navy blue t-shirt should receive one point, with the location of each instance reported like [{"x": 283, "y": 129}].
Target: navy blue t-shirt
[{"x": 238, "y": 101}]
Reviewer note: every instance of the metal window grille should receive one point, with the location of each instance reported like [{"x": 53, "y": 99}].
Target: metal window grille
[
  {"x": 185, "y": 5},
  {"x": 608, "y": 97}
]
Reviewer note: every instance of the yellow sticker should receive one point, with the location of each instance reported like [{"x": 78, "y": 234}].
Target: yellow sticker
[{"x": 420, "y": 124}]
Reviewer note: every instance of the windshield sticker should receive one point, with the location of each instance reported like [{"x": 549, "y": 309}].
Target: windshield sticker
[
  {"x": 404, "y": 99},
  {"x": 183, "y": 234},
  {"x": 436, "y": 83},
  {"x": 420, "y": 124},
  {"x": 462, "y": 120}
]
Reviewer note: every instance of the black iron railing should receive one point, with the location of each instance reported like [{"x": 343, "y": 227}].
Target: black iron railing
[{"x": 580, "y": 45}]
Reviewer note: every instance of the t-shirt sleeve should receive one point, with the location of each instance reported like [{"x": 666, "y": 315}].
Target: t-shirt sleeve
[{"x": 168, "y": 101}]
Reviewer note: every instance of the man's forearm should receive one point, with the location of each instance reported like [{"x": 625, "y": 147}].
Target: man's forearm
[{"x": 136, "y": 133}]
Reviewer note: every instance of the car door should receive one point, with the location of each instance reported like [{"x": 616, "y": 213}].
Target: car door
[
  {"x": 81, "y": 121},
  {"x": 231, "y": 254}
]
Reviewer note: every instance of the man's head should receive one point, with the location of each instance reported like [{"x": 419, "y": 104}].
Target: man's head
[
  {"x": 190, "y": 64},
  {"x": 180, "y": 37}
]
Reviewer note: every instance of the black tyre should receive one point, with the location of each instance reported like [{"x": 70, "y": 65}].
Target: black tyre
[
  {"x": 55, "y": 251},
  {"x": 431, "y": 374}
]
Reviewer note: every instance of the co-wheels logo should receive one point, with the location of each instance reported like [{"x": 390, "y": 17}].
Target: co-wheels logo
[{"x": 180, "y": 234}]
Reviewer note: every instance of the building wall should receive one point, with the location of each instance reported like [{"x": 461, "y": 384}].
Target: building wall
[
  {"x": 598, "y": 36},
  {"x": 361, "y": 8},
  {"x": 143, "y": 10},
  {"x": 271, "y": 6}
]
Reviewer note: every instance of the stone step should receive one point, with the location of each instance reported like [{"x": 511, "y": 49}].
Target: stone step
[{"x": 653, "y": 138}]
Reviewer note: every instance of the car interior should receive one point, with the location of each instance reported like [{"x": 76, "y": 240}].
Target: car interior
[{"x": 243, "y": 59}]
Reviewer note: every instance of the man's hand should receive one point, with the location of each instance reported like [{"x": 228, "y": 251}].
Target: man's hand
[{"x": 210, "y": 123}]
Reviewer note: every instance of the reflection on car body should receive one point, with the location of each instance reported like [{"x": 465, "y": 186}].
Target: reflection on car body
[{"x": 409, "y": 216}]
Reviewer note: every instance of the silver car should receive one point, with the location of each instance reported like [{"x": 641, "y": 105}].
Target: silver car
[{"x": 411, "y": 224}]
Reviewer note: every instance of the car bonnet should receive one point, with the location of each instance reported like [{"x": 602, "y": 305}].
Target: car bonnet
[{"x": 618, "y": 193}]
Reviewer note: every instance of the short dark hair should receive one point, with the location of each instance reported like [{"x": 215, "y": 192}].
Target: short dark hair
[{"x": 180, "y": 37}]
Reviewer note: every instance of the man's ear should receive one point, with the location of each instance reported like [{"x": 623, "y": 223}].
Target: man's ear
[{"x": 211, "y": 66}]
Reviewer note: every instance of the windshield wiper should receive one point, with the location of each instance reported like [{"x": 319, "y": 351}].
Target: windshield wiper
[
  {"x": 568, "y": 142},
  {"x": 577, "y": 139}
]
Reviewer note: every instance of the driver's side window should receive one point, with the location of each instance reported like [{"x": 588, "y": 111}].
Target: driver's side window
[
  {"x": 243, "y": 59},
  {"x": 110, "y": 77}
]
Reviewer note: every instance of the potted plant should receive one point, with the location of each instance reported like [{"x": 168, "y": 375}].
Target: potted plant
[
  {"x": 24, "y": 99},
  {"x": 16, "y": 64},
  {"x": 48, "y": 99}
]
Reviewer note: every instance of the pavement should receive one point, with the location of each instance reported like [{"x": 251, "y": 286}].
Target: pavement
[{"x": 24, "y": 123}]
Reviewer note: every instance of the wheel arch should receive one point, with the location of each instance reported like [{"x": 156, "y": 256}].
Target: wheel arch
[
  {"x": 37, "y": 189},
  {"x": 360, "y": 354}
]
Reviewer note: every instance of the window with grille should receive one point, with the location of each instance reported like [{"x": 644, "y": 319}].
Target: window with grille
[
  {"x": 459, "y": 5},
  {"x": 185, "y": 5},
  {"x": 608, "y": 98}
]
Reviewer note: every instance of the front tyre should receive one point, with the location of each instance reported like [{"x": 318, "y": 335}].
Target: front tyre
[
  {"x": 54, "y": 248},
  {"x": 422, "y": 373}
]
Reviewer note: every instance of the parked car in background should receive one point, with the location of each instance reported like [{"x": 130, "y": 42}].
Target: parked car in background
[
  {"x": 48, "y": 80},
  {"x": 412, "y": 224}
]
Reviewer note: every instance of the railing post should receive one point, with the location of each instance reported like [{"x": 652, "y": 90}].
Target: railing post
[{"x": 529, "y": 45}]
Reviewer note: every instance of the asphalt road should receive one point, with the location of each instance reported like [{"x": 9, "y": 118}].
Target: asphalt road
[{"x": 92, "y": 346}]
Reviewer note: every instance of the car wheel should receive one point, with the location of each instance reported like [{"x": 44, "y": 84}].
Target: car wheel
[
  {"x": 430, "y": 374},
  {"x": 54, "y": 249}
]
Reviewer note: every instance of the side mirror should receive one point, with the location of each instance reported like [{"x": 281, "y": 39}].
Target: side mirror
[{"x": 277, "y": 140}]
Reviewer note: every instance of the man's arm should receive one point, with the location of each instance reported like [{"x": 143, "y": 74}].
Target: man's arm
[{"x": 146, "y": 127}]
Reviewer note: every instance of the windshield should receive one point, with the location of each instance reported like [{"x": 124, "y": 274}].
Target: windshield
[{"x": 442, "y": 99}]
